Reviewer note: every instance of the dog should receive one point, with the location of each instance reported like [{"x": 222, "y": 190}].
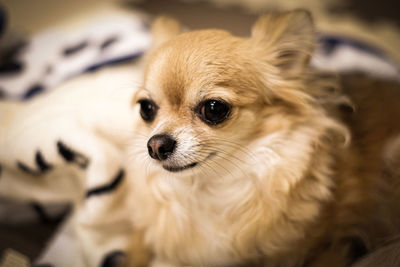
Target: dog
[{"x": 243, "y": 155}]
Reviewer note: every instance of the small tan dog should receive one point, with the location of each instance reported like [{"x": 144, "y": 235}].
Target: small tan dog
[{"x": 246, "y": 161}]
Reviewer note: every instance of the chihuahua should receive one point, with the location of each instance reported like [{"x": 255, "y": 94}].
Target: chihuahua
[{"x": 244, "y": 155}]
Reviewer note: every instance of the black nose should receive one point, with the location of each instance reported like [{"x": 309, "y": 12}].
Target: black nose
[{"x": 161, "y": 146}]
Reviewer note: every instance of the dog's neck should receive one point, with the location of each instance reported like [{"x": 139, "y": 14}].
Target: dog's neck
[{"x": 248, "y": 204}]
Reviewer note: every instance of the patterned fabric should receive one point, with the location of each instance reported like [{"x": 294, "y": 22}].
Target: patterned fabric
[
  {"x": 57, "y": 55},
  {"x": 344, "y": 54}
]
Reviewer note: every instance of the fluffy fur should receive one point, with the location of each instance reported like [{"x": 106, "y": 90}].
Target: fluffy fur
[{"x": 276, "y": 183}]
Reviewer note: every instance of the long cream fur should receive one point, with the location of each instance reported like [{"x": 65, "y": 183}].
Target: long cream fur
[{"x": 272, "y": 192}]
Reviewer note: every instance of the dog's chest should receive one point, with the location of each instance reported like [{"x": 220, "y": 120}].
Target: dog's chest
[{"x": 197, "y": 227}]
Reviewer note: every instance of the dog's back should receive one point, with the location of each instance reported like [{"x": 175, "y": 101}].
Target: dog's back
[
  {"x": 375, "y": 129},
  {"x": 364, "y": 213}
]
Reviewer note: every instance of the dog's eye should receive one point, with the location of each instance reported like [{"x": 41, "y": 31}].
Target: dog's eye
[
  {"x": 214, "y": 111},
  {"x": 148, "y": 109}
]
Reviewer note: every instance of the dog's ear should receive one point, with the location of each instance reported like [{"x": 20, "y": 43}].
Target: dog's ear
[
  {"x": 286, "y": 39},
  {"x": 163, "y": 29}
]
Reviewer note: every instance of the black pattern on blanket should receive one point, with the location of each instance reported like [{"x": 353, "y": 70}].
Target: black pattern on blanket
[
  {"x": 69, "y": 145},
  {"x": 56, "y": 55}
]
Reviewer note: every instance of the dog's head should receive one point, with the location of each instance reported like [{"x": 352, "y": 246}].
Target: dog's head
[{"x": 208, "y": 94}]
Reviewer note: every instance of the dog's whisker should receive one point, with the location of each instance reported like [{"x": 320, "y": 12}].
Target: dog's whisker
[{"x": 227, "y": 143}]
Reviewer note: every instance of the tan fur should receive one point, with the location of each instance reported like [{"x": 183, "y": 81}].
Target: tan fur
[{"x": 283, "y": 187}]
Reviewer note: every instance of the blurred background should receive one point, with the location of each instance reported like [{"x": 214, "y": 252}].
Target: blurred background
[
  {"x": 32, "y": 16},
  {"x": 369, "y": 27}
]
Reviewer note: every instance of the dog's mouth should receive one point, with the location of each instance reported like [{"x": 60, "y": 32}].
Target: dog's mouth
[
  {"x": 179, "y": 168},
  {"x": 185, "y": 167}
]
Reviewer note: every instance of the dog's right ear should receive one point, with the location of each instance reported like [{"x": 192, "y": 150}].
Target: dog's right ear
[{"x": 163, "y": 29}]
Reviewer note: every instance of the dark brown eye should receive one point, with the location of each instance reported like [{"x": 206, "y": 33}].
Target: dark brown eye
[
  {"x": 148, "y": 109},
  {"x": 214, "y": 111}
]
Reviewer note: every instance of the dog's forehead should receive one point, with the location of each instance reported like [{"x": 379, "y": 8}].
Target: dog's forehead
[
  {"x": 174, "y": 73},
  {"x": 184, "y": 67},
  {"x": 163, "y": 78}
]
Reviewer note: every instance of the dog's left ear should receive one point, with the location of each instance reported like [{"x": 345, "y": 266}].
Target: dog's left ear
[
  {"x": 163, "y": 29},
  {"x": 286, "y": 39}
]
